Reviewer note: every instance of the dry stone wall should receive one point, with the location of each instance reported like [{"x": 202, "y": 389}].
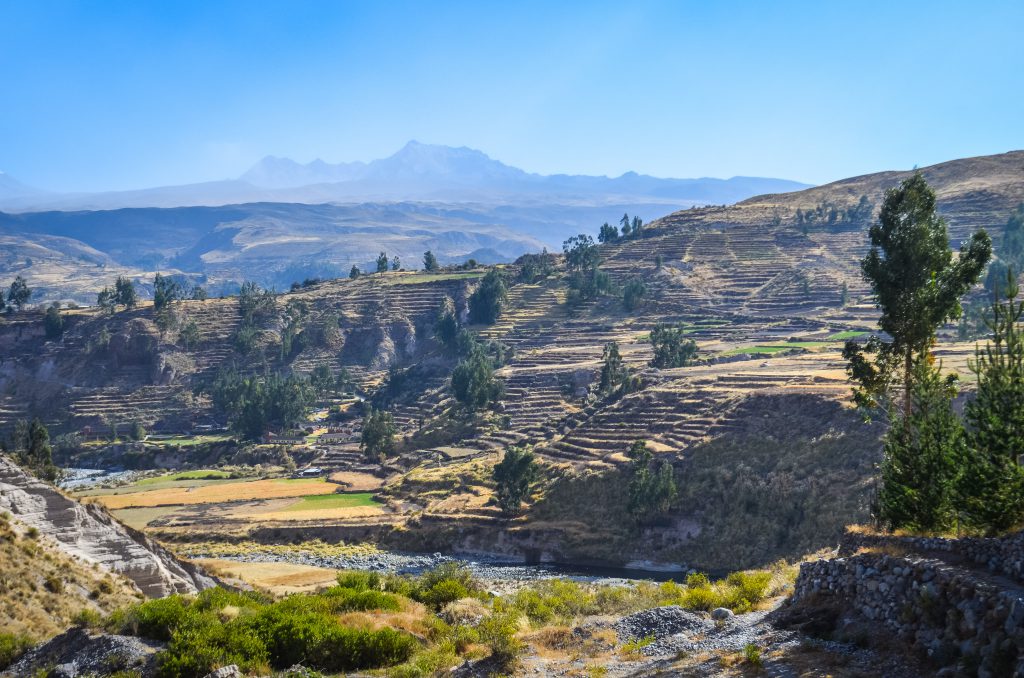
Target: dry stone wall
[{"x": 967, "y": 620}]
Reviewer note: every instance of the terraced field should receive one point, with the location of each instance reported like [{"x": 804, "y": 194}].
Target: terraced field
[{"x": 768, "y": 303}]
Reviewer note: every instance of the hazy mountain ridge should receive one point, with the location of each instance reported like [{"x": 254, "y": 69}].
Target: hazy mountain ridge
[{"x": 416, "y": 172}]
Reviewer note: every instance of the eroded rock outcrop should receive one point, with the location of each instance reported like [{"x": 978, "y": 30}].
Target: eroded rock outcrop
[{"x": 90, "y": 533}]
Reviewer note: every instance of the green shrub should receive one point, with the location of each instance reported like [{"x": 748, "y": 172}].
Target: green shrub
[
  {"x": 752, "y": 654},
  {"x": 497, "y": 631},
  {"x": 442, "y": 593},
  {"x": 12, "y": 646},
  {"x": 752, "y": 586},
  {"x": 349, "y": 600},
  {"x": 87, "y": 618},
  {"x": 154, "y": 619},
  {"x": 258, "y": 634},
  {"x": 359, "y": 581}
]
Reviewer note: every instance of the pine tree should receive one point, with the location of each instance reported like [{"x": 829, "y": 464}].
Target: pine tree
[
  {"x": 922, "y": 454},
  {"x": 991, "y": 488},
  {"x": 612, "y": 371},
  {"x": 382, "y": 263},
  {"x": 353, "y": 272},
  {"x": 485, "y": 303},
  {"x": 917, "y": 285}
]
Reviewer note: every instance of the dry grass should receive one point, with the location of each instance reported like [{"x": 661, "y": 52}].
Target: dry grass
[
  {"x": 357, "y": 482},
  {"x": 43, "y": 589},
  {"x": 215, "y": 494},
  {"x": 275, "y": 578}
]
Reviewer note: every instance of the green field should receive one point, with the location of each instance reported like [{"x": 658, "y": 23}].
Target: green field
[
  {"x": 848, "y": 334},
  {"x": 769, "y": 349},
  {"x": 320, "y": 502},
  {"x": 418, "y": 278},
  {"x": 210, "y": 474},
  {"x": 190, "y": 441}
]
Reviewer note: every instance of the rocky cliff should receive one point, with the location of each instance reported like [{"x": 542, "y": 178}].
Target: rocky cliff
[{"x": 88, "y": 532}]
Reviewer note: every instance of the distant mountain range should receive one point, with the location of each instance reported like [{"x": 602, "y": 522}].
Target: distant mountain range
[
  {"x": 417, "y": 172},
  {"x": 284, "y": 221}
]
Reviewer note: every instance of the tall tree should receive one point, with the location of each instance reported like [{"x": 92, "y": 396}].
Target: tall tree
[
  {"x": 53, "y": 322},
  {"x": 991, "y": 488},
  {"x": 671, "y": 347},
  {"x": 613, "y": 372},
  {"x": 608, "y": 233},
  {"x": 382, "y": 263},
  {"x": 514, "y": 478},
  {"x": 917, "y": 285},
  {"x": 353, "y": 272},
  {"x": 378, "y": 436},
  {"x": 165, "y": 291},
  {"x": 124, "y": 292},
  {"x": 19, "y": 293},
  {"x": 487, "y": 299},
  {"x": 473, "y": 382},
  {"x": 430, "y": 261}
]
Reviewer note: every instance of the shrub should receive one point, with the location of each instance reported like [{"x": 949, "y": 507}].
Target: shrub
[
  {"x": 87, "y": 618},
  {"x": 752, "y": 654},
  {"x": 12, "y": 646},
  {"x": 442, "y": 593},
  {"x": 359, "y": 581},
  {"x": 498, "y": 632},
  {"x": 221, "y": 627},
  {"x": 350, "y": 600},
  {"x": 751, "y": 586}
]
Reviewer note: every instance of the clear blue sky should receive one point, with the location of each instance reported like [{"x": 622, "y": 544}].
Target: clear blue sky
[{"x": 109, "y": 95}]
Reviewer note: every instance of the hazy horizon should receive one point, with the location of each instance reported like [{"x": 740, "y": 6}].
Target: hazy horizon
[{"x": 122, "y": 96}]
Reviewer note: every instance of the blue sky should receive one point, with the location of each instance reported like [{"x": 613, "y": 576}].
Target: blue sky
[{"x": 112, "y": 95}]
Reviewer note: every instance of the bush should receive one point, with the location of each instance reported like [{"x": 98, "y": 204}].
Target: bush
[
  {"x": 12, "y": 646},
  {"x": 221, "y": 627},
  {"x": 498, "y": 632},
  {"x": 442, "y": 593},
  {"x": 359, "y": 581}
]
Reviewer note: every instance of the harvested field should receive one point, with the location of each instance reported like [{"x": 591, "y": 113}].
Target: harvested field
[
  {"x": 354, "y": 481},
  {"x": 277, "y": 578},
  {"x": 218, "y": 493}
]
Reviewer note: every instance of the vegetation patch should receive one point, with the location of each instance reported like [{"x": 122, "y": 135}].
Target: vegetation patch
[
  {"x": 420, "y": 278},
  {"x": 318, "y": 502},
  {"x": 843, "y": 336}
]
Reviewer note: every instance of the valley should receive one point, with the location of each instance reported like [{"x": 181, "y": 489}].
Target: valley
[{"x": 771, "y": 462}]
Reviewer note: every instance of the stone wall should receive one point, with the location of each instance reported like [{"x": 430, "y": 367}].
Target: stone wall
[
  {"x": 1003, "y": 555},
  {"x": 970, "y": 622}
]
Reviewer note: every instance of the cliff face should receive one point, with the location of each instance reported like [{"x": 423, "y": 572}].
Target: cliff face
[{"x": 88, "y": 532}]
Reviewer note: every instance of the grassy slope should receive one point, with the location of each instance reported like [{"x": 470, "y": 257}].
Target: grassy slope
[{"x": 42, "y": 589}]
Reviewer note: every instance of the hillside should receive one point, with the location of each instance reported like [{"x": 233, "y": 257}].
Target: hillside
[{"x": 771, "y": 460}]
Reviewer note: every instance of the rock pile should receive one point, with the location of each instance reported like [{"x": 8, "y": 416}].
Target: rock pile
[{"x": 660, "y": 622}]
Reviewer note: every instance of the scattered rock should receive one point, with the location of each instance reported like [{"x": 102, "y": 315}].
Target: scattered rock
[
  {"x": 230, "y": 671},
  {"x": 721, "y": 614}
]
